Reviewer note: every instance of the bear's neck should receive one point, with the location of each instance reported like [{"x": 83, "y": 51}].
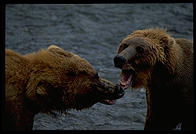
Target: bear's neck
[{"x": 15, "y": 96}]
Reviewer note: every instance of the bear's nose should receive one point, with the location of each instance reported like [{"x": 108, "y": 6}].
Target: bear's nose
[
  {"x": 119, "y": 61},
  {"x": 119, "y": 90}
]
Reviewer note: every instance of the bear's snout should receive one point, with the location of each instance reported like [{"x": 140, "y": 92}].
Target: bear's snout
[
  {"x": 110, "y": 94},
  {"x": 119, "y": 61},
  {"x": 124, "y": 56},
  {"x": 119, "y": 91},
  {"x": 109, "y": 90}
]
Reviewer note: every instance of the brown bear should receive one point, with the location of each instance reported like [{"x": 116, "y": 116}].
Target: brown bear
[
  {"x": 153, "y": 59},
  {"x": 48, "y": 80}
]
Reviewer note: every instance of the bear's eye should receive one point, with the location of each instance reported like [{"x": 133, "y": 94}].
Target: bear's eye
[
  {"x": 125, "y": 46},
  {"x": 139, "y": 49},
  {"x": 71, "y": 74},
  {"x": 96, "y": 75}
]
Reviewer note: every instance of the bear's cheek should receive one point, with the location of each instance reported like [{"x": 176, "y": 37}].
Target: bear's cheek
[
  {"x": 136, "y": 83},
  {"x": 82, "y": 89},
  {"x": 139, "y": 81}
]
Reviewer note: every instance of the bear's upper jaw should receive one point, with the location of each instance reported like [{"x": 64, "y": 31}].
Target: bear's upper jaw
[
  {"x": 118, "y": 93},
  {"x": 127, "y": 77}
]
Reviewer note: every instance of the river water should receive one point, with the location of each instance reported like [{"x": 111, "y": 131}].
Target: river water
[{"x": 93, "y": 31}]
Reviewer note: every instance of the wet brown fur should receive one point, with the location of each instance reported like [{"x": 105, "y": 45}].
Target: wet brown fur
[
  {"x": 47, "y": 80},
  {"x": 168, "y": 79}
]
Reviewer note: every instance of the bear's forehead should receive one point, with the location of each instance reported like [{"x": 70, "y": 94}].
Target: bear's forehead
[
  {"x": 135, "y": 41},
  {"x": 150, "y": 33},
  {"x": 58, "y": 60},
  {"x": 147, "y": 37},
  {"x": 77, "y": 64}
]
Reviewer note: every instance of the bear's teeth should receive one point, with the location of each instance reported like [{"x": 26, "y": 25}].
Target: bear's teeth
[
  {"x": 109, "y": 102},
  {"x": 124, "y": 82},
  {"x": 129, "y": 79}
]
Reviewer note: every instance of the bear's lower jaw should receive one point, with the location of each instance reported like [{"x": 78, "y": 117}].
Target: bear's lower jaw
[
  {"x": 108, "y": 102},
  {"x": 127, "y": 78}
]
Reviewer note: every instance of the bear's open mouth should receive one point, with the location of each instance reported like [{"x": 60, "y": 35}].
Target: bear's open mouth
[
  {"x": 127, "y": 77},
  {"x": 108, "y": 102},
  {"x": 111, "y": 102}
]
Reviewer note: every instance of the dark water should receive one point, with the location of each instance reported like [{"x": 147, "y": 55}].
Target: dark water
[{"x": 94, "y": 32}]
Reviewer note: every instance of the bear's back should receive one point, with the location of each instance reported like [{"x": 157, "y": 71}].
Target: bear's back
[
  {"x": 16, "y": 68},
  {"x": 184, "y": 76},
  {"x": 185, "y": 64}
]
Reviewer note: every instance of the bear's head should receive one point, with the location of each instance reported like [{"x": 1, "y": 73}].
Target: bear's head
[
  {"x": 142, "y": 54},
  {"x": 60, "y": 80}
]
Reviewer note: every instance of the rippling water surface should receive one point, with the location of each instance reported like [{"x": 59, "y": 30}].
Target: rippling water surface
[{"x": 93, "y": 31}]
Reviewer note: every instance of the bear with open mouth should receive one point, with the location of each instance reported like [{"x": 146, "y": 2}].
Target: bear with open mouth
[
  {"x": 48, "y": 80},
  {"x": 153, "y": 59}
]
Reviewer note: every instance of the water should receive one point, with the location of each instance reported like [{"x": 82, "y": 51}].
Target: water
[{"x": 93, "y": 31}]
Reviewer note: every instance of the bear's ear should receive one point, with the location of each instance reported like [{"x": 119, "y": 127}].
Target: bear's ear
[
  {"x": 167, "y": 41},
  {"x": 41, "y": 89},
  {"x": 59, "y": 51},
  {"x": 36, "y": 86},
  {"x": 53, "y": 48},
  {"x": 164, "y": 41}
]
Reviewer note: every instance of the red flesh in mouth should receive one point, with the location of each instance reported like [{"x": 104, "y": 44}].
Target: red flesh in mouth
[
  {"x": 125, "y": 81},
  {"x": 108, "y": 102}
]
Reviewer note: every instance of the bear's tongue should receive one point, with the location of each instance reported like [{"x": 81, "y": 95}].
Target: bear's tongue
[
  {"x": 109, "y": 102},
  {"x": 125, "y": 81}
]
